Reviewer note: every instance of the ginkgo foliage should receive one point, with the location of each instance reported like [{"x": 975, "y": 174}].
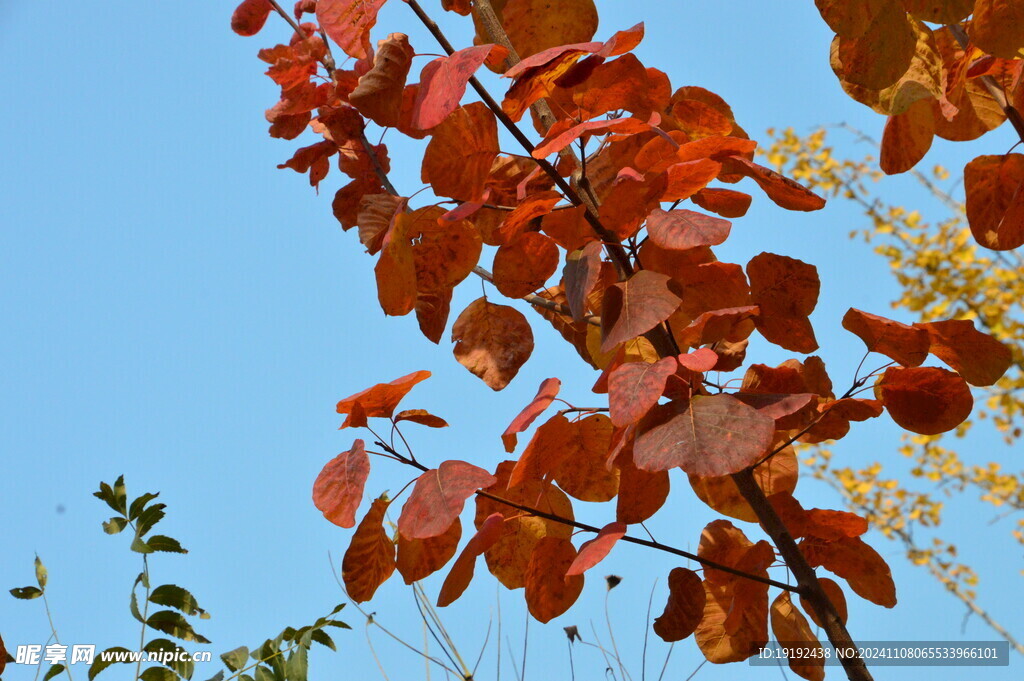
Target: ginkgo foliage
[{"x": 588, "y": 230}]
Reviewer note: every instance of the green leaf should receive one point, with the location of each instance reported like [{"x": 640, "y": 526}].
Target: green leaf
[
  {"x": 219, "y": 676},
  {"x": 337, "y": 623},
  {"x": 108, "y": 495},
  {"x": 140, "y": 503},
  {"x": 26, "y": 593},
  {"x": 53, "y": 671},
  {"x": 148, "y": 518},
  {"x": 100, "y": 664},
  {"x": 182, "y": 668},
  {"x": 297, "y": 668},
  {"x": 176, "y": 597},
  {"x": 41, "y": 573},
  {"x": 133, "y": 604},
  {"x": 337, "y": 608},
  {"x": 321, "y": 637},
  {"x": 120, "y": 494},
  {"x": 157, "y": 674},
  {"x": 173, "y": 624},
  {"x": 235, "y": 659},
  {"x": 139, "y": 546},
  {"x": 288, "y": 634},
  {"x": 159, "y": 542},
  {"x": 115, "y": 525},
  {"x": 264, "y": 674}
]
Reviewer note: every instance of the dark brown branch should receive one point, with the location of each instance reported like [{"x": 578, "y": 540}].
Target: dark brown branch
[{"x": 805, "y": 576}]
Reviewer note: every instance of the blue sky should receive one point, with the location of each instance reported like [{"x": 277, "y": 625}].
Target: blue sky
[{"x": 180, "y": 311}]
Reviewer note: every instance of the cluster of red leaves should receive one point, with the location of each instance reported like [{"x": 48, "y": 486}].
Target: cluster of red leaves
[
  {"x": 655, "y": 317},
  {"x": 956, "y": 82}
]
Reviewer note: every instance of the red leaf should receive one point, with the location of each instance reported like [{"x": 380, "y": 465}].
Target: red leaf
[
  {"x": 348, "y": 23},
  {"x": 700, "y": 360},
  {"x": 381, "y": 399},
  {"x": 679, "y": 230},
  {"x": 492, "y": 341},
  {"x": 438, "y": 497},
  {"x": 339, "y": 487},
  {"x": 786, "y": 290},
  {"x": 634, "y": 387},
  {"x": 564, "y": 133},
  {"x": 422, "y": 417},
  {"x": 443, "y": 82},
  {"x": 782, "y": 190},
  {"x": 725, "y": 202},
  {"x": 685, "y": 607},
  {"x": 420, "y": 558},
  {"x": 732, "y": 324},
  {"x": 549, "y": 592},
  {"x": 250, "y": 16},
  {"x": 905, "y": 344},
  {"x": 707, "y": 436},
  {"x": 634, "y": 307},
  {"x": 524, "y": 264},
  {"x": 594, "y": 551},
  {"x": 461, "y": 573},
  {"x": 925, "y": 400},
  {"x": 461, "y": 152},
  {"x": 546, "y": 394},
  {"x": 977, "y": 356},
  {"x": 370, "y": 558},
  {"x": 641, "y": 493}
]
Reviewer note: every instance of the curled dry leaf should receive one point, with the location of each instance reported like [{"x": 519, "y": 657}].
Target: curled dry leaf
[
  {"x": 382, "y": 399},
  {"x": 380, "y": 91},
  {"x": 925, "y": 400},
  {"x": 546, "y": 394},
  {"x": 338, "y": 489},
  {"x": 438, "y": 497},
  {"x": 685, "y": 607},
  {"x": 370, "y": 558},
  {"x": 595, "y": 550},
  {"x": 492, "y": 341},
  {"x": 549, "y": 592}
]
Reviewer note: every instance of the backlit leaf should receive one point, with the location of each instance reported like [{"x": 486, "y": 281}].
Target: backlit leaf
[
  {"x": 339, "y": 487},
  {"x": 805, "y": 655},
  {"x": 835, "y": 594},
  {"x": 380, "y": 91},
  {"x": 685, "y": 607},
  {"x": 348, "y": 23},
  {"x": 634, "y": 307},
  {"x": 370, "y": 558},
  {"x": 549, "y": 592},
  {"x": 786, "y": 290},
  {"x": 420, "y": 558},
  {"x": 443, "y": 83},
  {"x": 546, "y": 394},
  {"x": 383, "y": 398},
  {"x": 524, "y": 264},
  {"x": 978, "y": 357},
  {"x": 462, "y": 570},
  {"x": 857, "y": 563},
  {"x": 438, "y": 497},
  {"x": 461, "y": 151},
  {"x": 635, "y": 387},
  {"x": 925, "y": 400},
  {"x": 593, "y": 551},
  {"x": 250, "y": 16},
  {"x": 905, "y": 344},
  {"x": 995, "y": 200},
  {"x": 683, "y": 229}
]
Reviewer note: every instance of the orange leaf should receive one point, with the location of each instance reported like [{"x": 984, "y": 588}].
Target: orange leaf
[
  {"x": 395, "y": 270},
  {"x": 939, "y": 11},
  {"x": 850, "y": 19},
  {"x": 438, "y": 497},
  {"x": 700, "y": 360},
  {"x": 998, "y": 27},
  {"x": 348, "y": 23},
  {"x": 380, "y": 91},
  {"x": 432, "y": 311},
  {"x": 509, "y": 558},
  {"x": 685, "y": 607},
  {"x": 817, "y": 523},
  {"x": 420, "y": 558},
  {"x": 805, "y": 655},
  {"x": 722, "y": 640},
  {"x": 879, "y": 56},
  {"x": 782, "y": 190},
  {"x": 553, "y": 442},
  {"x": 732, "y": 324},
  {"x": 907, "y": 137},
  {"x": 835, "y": 594},
  {"x": 925, "y": 400},
  {"x": 857, "y": 563},
  {"x": 708, "y": 435},
  {"x": 686, "y": 179},
  {"x": 724, "y": 543},
  {"x": 444, "y": 253},
  {"x": 564, "y": 133},
  {"x": 250, "y": 16},
  {"x": 522, "y": 265},
  {"x": 521, "y": 219},
  {"x": 682, "y": 229},
  {"x": 370, "y": 558},
  {"x": 442, "y": 84},
  {"x": 641, "y": 493},
  {"x": 462, "y": 570},
  {"x": 594, "y": 551},
  {"x": 978, "y": 357},
  {"x": 725, "y": 202},
  {"x": 634, "y": 307},
  {"x": 339, "y": 487},
  {"x": 536, "y": 25},
  {"x": 381, "y": 399},
  {"x": 546, "y": 394},
  {"x": 786, "y": 290},
  {"x": 492, "y": 341},
  {"x": 549, "y": 592},
  {"x": 582, "y": 472},
  {"x": 376, "y": 211},
  {"x": 905, "y": 344},
  {"x": 995, "y": 200},
  {"x": 635, "y": 387},
  {"x": 461, "y": 152},
  {"x": 422, "y": 417},
  {"x": 778, "y": 474}
]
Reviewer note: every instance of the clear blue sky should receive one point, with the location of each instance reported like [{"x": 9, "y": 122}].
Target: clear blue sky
[{"x": 178, "y": 310}]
